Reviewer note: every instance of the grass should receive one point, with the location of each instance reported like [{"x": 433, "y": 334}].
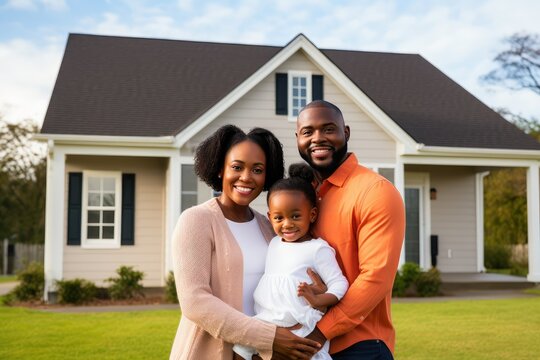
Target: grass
[
  {"x": 7, "y": 278},
  {"x": 472, "y": 330}
]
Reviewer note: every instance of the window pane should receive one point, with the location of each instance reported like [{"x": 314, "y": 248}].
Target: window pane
[
  {"x": 295, "y": 92},
  {"x": 295, "y": 81},
  {"x": 188, "y": 200},
  {"x": 303, "y": 103},
  {"x": 108, "y": 217},
  {"x": 189, "y": 179},
  {"x": 302, "y": 81},
  {"x": 387, "y": 173},
  {"x": 295, "y": 103},
  {"x": 94, "y": 183},
  {"x": 108, "y": 184},
  {"x": 93, "y": 232},
  {"x": 108, "y": 199},
  {"x": 295, "y": 112},
  {"x": 303, "y": 92},
  {"x": 93, "y": 217},
  {"x": 108, "y": 232},
  {"x": 94, "y": 199}
]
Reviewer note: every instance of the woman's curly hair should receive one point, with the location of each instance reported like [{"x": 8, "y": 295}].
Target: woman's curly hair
[{"x": 210, "y": 154}]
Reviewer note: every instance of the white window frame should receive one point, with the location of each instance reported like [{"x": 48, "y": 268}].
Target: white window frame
[
  {"x": 376, "y": 166},
  {"x": 309, "y": 90},
  {"x": 182, "y": 191},
  {"x": 113, "y": 243}
]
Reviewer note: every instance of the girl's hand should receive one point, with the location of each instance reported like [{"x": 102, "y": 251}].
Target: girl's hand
[
  {"x": 317, "y": 286},
  {"x": 313, "y": 299},
  {"x": 289, "y": 346}
]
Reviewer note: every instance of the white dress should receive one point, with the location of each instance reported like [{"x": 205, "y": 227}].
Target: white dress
[{"x": 276, "y": 296}]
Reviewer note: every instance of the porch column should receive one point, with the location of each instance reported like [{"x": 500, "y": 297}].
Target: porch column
[
  {"x": 533, "y": 221},
  {"x": 172, "y": 207},
  {"x": 399, "y": 183},
  {"x": 54, "y": 217}
]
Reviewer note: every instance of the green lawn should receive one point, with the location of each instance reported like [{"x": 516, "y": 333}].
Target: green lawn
[
  {"x": 480, "y": 329},
  {"x": 7, "y": 278}
]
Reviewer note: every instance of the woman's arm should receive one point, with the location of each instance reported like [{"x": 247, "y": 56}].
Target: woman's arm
[{"x": 192, "y": 251}]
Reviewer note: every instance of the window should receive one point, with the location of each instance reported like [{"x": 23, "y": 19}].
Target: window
[
  {"x": 384, "y": 170},
  {"x": 295, "y": 89},
  {"x": 299, "y": 92},
  {"x": 189, "y": 187},
  {"x": 101, "y": 204}
]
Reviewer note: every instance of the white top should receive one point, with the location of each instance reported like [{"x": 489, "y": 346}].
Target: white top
[
  {"x": 276, "y": 296},
  {"x": 249, "y": 237}
]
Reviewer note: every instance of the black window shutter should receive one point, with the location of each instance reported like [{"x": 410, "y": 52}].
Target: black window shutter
[
  {"x": 128, "y": 209},
  {"x": 281, "y": 94},
  {"x": 317, "y": 87},
  {"x": 74, "y": 208}
]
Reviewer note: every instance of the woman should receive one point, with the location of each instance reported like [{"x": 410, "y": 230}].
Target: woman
[{"x": 219, "y": 249}]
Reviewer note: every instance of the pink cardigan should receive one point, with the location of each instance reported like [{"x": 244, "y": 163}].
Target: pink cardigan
[{"x": 208, "y": 269}]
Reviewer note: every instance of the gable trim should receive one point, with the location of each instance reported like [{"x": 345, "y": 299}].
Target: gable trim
[{"x": 300, "y": 42}]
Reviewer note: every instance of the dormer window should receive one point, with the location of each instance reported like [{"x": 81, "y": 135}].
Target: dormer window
[
  {"x": 299, "y": 92},
  {"x": 294, "y": 90}
]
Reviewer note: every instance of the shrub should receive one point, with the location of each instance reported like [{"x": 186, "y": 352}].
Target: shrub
[
  {"x": 76, "y": 291},
  {"x": 497, "y": 256},
  {"x": 31, "y": 283},
  {"x": 127, "y": 285},
  {"x": 170, "y": 289},
  {"x": 399, "y": 288},
  {"x": 412, "y": 281},
  {"x": 428, "y": 283}
]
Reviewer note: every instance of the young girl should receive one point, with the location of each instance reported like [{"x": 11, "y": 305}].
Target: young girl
[{"x": 282, "y": 296}]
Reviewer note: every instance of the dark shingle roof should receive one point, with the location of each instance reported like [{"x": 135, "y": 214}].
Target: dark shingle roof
[{"x": 150, "y": 87}]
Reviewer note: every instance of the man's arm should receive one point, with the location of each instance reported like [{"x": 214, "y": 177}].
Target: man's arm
[{"x": 379, "y": 236}]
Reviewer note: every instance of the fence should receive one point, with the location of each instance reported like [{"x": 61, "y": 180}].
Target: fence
[{"x": 15, "y": 257}]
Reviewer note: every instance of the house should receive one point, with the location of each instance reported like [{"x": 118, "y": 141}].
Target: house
[{"x": 126, "y": 114}]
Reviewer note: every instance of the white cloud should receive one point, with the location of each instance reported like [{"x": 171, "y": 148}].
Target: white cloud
[
  {"x": 21, "y": 4},
  {"x": 56, "y": 5},
  {"x": 27, "y": 87}
]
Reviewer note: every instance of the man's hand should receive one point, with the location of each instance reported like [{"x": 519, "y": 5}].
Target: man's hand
[
  {"x": 317, "y": 335},
  {"x": 289, "y": 346}
]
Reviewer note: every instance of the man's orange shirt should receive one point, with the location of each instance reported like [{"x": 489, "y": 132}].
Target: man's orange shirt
[{"x": 361, "y": 215}]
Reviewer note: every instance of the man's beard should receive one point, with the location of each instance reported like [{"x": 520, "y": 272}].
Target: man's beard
[{"x": 338, "y": 156}]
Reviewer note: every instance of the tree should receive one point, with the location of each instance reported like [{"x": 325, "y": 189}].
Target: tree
[
  {"x": 519, "y": 66},
  {"x": 22, "y": 183},
  {"x": 505, "y": 190}
]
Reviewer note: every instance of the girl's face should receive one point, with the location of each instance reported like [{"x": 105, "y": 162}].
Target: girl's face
[
  {"x": 243, "y": 174},
  {"x": 291, "y": 215}
]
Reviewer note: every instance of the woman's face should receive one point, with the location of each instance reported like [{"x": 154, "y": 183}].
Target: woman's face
[{"x": 243, "y": 174}]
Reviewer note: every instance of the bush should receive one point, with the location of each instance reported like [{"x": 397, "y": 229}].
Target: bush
[
  {"x": 127, "y": 285},
  {"x": 428, "y": 283},
  {"x": 170, "y": 289},
  {"x": 31, "y": 283},
  {"x": 76, "y": 291},
  {"x": 412, "y": 281},
  {"x": 497, "y": 256}
]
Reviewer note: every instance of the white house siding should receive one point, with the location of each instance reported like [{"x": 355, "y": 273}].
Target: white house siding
[
  {"x": 148, "y": 252},
  {"x": 257, "y": 109},
  {"x": 453, "y": 216}
]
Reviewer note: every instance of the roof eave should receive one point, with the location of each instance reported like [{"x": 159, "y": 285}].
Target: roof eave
[
  {"x": 107, "y": 140},
  {"x": 443, "y": 151}
]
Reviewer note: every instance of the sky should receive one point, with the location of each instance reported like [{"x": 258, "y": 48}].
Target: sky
[{"x": 459, "y": 37}]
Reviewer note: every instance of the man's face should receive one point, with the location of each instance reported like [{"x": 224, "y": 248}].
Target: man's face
[{"x": 322, "y": 137}]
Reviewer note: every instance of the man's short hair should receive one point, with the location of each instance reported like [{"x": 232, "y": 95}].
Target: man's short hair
[{"x": 322, "y": 104}]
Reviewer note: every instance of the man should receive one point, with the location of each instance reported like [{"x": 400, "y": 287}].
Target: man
[{"x": 362, "y": 217}]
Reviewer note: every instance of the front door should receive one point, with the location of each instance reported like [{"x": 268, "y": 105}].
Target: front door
[{"x": 417, "y": 218}]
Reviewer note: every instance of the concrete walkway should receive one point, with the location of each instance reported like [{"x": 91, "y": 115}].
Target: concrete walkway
[{"x": 7, "y": 287}]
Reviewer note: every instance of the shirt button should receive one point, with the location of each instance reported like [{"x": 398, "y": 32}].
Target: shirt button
[{"x": 320, "y": 199}]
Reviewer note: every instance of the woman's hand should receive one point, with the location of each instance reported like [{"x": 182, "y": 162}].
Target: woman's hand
[{"x": 289, "y": 346}]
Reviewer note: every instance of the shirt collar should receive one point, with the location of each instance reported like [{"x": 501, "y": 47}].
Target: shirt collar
[{"x": 344, "y": 170}]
